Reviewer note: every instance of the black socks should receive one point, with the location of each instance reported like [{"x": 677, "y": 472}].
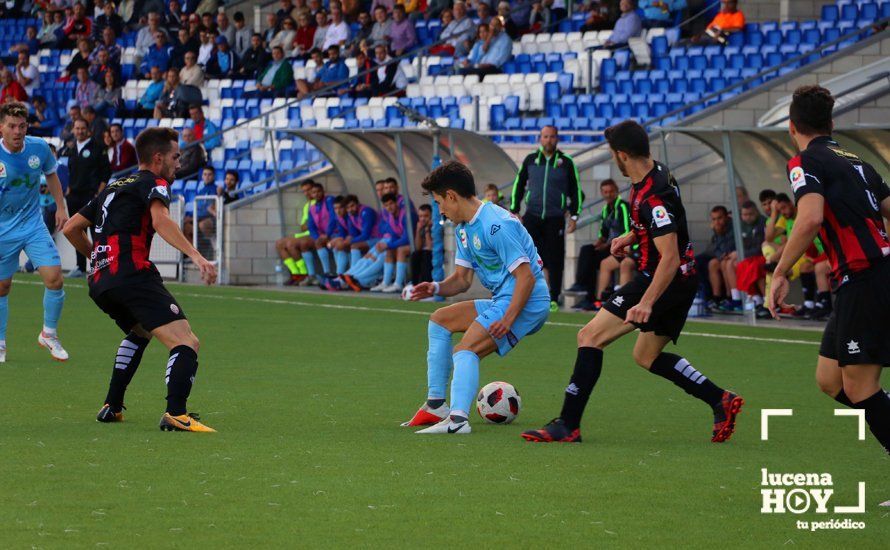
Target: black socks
[
  {"x": 808, "y": 282},
  {"x": 680, "y": 372},
  {"x": 588, "y": 366},
  {"x": 181, "y": 369},
  {"x": 129, "y": 354},
  {"x": 877, "y": 414},
  {"x": 842, "y": 398}
]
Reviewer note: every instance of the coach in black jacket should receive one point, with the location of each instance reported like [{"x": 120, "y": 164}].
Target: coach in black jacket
[
  {"x": 548, "y": 182},
  {"x": 88, "y": 172}
]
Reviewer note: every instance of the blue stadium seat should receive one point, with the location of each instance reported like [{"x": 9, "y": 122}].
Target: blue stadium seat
[
  {"x": 869, "y": 11},
  {"x": 659, "y": 46},
  {"x": 849, "y": 12},
  {"x": 608, "y": 68}
]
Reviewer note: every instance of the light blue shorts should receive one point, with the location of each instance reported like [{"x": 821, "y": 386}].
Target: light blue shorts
[
  {"x": 530, "y": 319},
  {"x": 38, "y": 244}
]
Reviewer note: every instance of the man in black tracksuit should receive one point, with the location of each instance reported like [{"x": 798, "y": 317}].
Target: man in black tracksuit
[{"x": 548, "y": 182}]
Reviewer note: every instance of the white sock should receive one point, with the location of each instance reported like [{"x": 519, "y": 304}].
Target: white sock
[
  {"x": 808, "y": 303},
  {"x": 736, "y": 294},
  {"x": 757, "y": 299},
  {"x": 3, "y": 344},
  {"x": 616, "y": 287},
  {"x": 49, "y": 331}
]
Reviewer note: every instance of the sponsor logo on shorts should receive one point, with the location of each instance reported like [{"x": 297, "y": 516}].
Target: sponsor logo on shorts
[
  {"x": 618, "y": 300},
  {"x": 34, "y": 162},
  {"x": 797, "y": 177},
  {"x": 853, "y": 347},
  {"x": 660, "y": 216},
  {"x": 174, "y": 308}
]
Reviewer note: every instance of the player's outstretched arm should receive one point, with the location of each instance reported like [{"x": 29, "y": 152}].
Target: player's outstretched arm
[
  {"x": 170, "y": 232},
  {"x": 55, "y": 189},
  {"x": 456, "y": 283},
  {"x": 810, "y": 208},
  {"x": 525, "y": 284},
  {"x": 668, "y": 264},
  {"x": 75, "y": 231}
]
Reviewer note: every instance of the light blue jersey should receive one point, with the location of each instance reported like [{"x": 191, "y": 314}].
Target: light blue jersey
[
  {"x": 493, "y": 244},
  {"x": 20, "y": 175}
]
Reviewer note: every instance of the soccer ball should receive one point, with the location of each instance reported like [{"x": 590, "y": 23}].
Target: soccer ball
[
  {"x": 498, "y": 403},
  {"x": 407, "y": 292}
]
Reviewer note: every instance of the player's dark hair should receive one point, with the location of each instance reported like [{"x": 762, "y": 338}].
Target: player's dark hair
[
  {"x": 426, "y": 208},
  {"x": 13, "y": 109},
  {"x": 749, "y": 205},
  {"x": 607, "y": 182},
  {"x": 209, "y": 167},
  {"x": 767, "y": 195},
  {"x": 629, "y": 138},
  {"x": 238, "y": 17},
  {"x": 810, "y": 110},
  {"x": 339, "y": 199},
  {"x": 317, "y": 186},
  {"x": 349, "y": 199},
  {"x": 155, "y": 140},
  {"x": 389, "y": 197},
  {"x": 310, "y": 183},
  {"x": 720, "y": 208},
  {"x": 450, "y": 175},
  {"x": 392, "y": 180},
  {"x": 233, "y": 173},
  {"x": 782, "y": 197}
]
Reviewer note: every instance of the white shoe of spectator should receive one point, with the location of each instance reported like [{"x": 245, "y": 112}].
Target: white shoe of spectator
[
  {"x": 379, "y": 288},
  {"x": 395, "y": 287}
]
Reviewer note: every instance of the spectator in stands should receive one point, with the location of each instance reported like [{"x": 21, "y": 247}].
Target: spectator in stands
[
  {"x": 601, "y": 15},
  {"x": 27, "y": 74},
  {"x": 97, "y": 123},
  {"x": 241, "y": 41},
  {"x": 174, "y": 17},
  {"x": 207, "y": 22},
  {"x": 78, "y": 60},
  {"x": 660, "y": 13},
  {"x": 321, "y": 28},
  {"x": 67, "y": 133},
  {"x": 254, "y": 59},
  {"x": 88, "y": 173},
  {"x": 223, "y": 61},
  {"x": 52, "y": 23},
  {"x": 224, "y": 28},
  {"x": 721, "y": 263},
  {"x": 183, "y": 45},
  {"x": 401, "y": 32},
  {"x": 389, "y": 78},
  {"x": 158, "y": 55},
  {"x": 285, "y": 37},
  {"x": 510, "y": 26},
  {"x": 362, "y": 84},
  {"x": 191, "y": 73},
  {"x": 750, "y": 272},
  {"x": 86, "y": 90},
  {"x": 193, "y": 158},
  {"x": 108, "y": 20},
  {"x": 728, "y": 20},
  {"x": 483, "y": 33},
  {"x": 273, "y": 25},
  {"x": 493, "y": 195},
  {"x": 122, "y": 152},
  {"x": 101, "y": 66},
  {"x": 628, "y": 26},
  {"x": 109, "y": 98},
  {"x": 278, "y": 75},
  {"x": 145, "y": 38},
  {"x": 43, "y": 121},
  {"x": 304, "y": 37},
  {"x": 152, "y": 94},
  {"x": 459, "y": 33},
  {"x": 205, "y": 50},
  {"x": 176, "y": 97},
  {"x": 363, "y": 34},
  {"x": 434, "y": 9},
  {"x": 78, "y": 26},
  {"x": 229, "y": 189},
  {"x": 204, "y": 129},
  {"x": 203, "y": 210},
  {"x": 333, "y": 71},
  {"x": 388, "y": 5},
  {"x": 380, "y": 31},
  {"x": 11, "y": 90},
  {"x": 337, "y": 33},
  {"x": 483, "y": 13},
  {"x": 445, "y": 49},
  {"x": 422, "y": 257},
  {"x": 498, "y": 50},
  {"x": 31, "y": 43},
  {"x": 110, "y": 45},
  {"x": 539, "y": 18}
]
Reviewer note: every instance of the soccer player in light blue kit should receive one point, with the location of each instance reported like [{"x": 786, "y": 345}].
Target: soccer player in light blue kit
[
  {"x": 23, "y": 159},
  {"x": 491, "y": 243}
]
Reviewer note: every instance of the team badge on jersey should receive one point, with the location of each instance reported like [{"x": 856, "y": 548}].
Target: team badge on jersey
[
  {"x": 86, "y": 153},
  {"x": 660, "y": 216},
  {"x": 463, "y": 238},
  {"x": 161, "y": 190},
  {"x": 797, "y": 177},
  {"x": 34, "y": 162},
  {"x": 477, "y": 243},
  {"x": 2, "y": 170}
]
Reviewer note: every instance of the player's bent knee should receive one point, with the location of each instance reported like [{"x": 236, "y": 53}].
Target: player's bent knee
[
  {"x": 643, "y": 358},
  {"x": 591, "y": 337}
]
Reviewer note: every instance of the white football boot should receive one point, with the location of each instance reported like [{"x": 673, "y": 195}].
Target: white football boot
[
  {"x": 393, "y": 289},
  {"x": 3, "y": 354},
  {"x": 425, "y": 416},
  {"x": 448, "y": 427},
  {"x": 52, "y": 343},
  {"x": 379, "y": 287}
]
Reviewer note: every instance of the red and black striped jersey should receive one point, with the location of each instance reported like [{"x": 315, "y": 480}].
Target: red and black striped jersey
[
  {"x": 656, "y": 210},
  {"x": 852, "y": 227},
  {"x": 122, "y": 230}
]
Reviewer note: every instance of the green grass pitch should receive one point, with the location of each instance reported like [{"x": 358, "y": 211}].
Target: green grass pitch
[{"x": 307, "y": 396}]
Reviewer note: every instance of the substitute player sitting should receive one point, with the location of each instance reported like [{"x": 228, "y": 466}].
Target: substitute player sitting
[
  {"x": 493, "y": 244},
  {"x": 23, "y": 159},
  {"x": 126, "y": 285},
  {"x": 656, "y": 301}
]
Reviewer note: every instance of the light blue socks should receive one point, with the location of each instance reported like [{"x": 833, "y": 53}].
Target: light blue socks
[
  {"x": 355, "y": 256},
  {"x": 341, "y": 258},
  {"x": 53, "y": 300},
  {"x": 309, "y": 256},
  {"x": 465, "y": 382},
  {"x": 4, "y": 316},
  {"x": 438, "y": 360},
  {"x": 401, "y": 273},
  {"x": 325, "y": 258},
  {"x": 387, "y": 273}
]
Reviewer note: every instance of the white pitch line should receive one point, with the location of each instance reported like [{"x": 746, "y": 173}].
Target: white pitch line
[{"x": 425, "y": 313}]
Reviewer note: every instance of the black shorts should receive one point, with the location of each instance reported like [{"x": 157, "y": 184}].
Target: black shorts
[
  {"x": 858, "y": 331},
  {"x": 669, "y": 311},
  {"x": 147, "y": 303}
]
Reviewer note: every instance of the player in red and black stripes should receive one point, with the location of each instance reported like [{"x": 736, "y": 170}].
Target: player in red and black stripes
[
  {"x": 657, "y": 301},
  {"x": 126, "y": 285},
  {"x": 844, "y": 201}
]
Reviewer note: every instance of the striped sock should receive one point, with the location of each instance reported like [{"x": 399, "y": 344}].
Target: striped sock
[
  {"x": 129, "y": 355},
  {"x": 681, "y": 373}
]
